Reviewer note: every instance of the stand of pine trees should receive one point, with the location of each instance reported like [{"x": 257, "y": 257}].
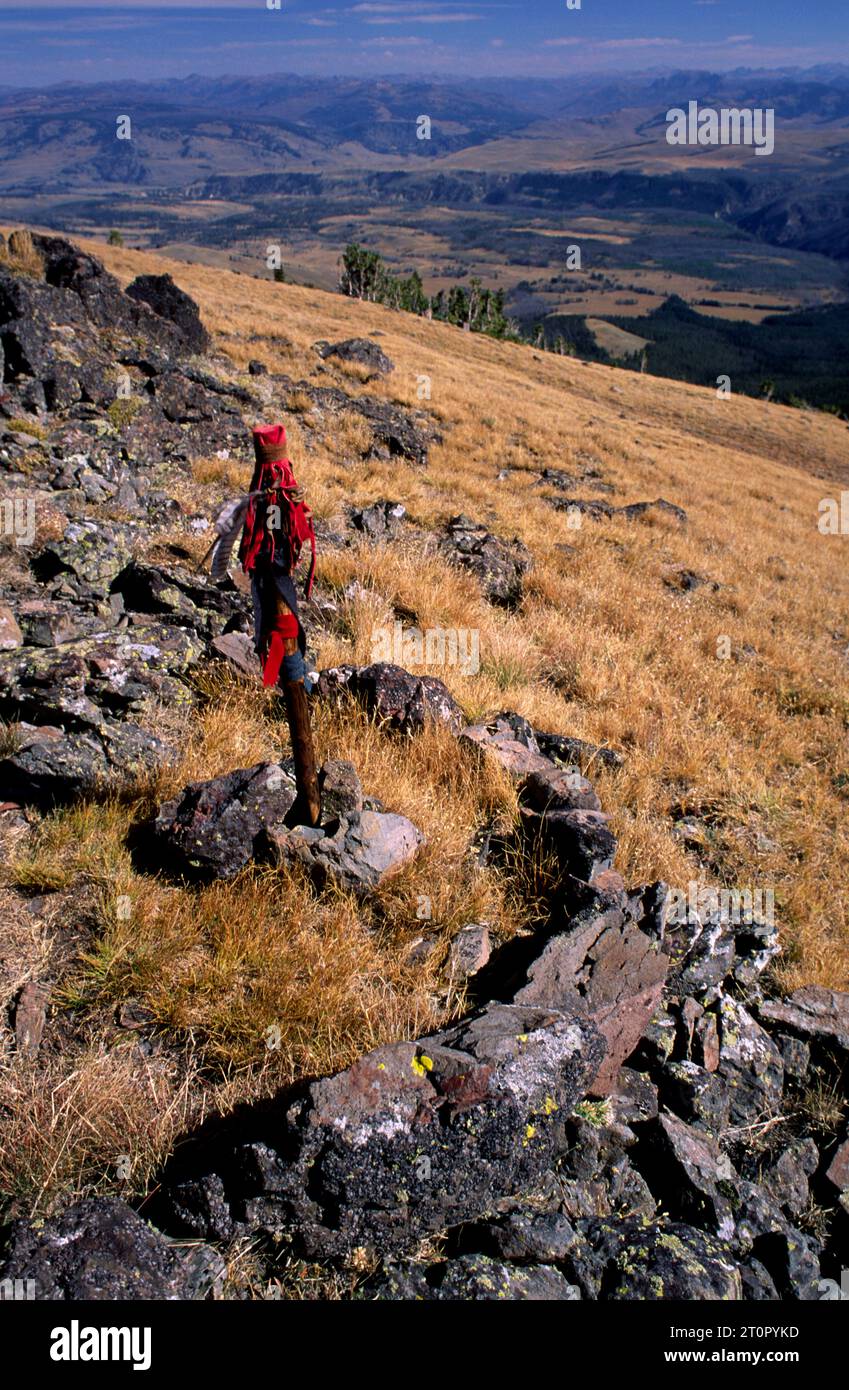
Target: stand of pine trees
[{"x": 365, "y": 276}]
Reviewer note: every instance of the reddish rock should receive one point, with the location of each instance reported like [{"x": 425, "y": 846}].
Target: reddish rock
[
  {"x": 10, "y": 634},
  {"x": 607, "y": 970},
  {"x": 838, "y": 1170},
  {"x": 706, "y": 1042},
  {"x": 559, "y": 789},
  {"x": 813, "y": 1013}
]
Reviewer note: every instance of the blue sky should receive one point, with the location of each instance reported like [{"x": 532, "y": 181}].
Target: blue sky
[{"x": 58, "y": 41}]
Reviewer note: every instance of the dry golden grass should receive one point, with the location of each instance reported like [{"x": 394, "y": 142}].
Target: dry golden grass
[
  {"x": 101, "y": 1120},
  {"x": 755, "y": 744},
  {"x": 20, "y": 255},
  {"x": 602, "y": 648}
]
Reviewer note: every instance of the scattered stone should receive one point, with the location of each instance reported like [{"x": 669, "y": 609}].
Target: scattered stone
[
  {"x": 213, "y": 829},
  {"x": 237, "y": 649},
  {"x": 361, "y": 350},
  {"x": 686, "y": 581},
  {"x": 469, "y": 952},
  {"x": 381, "y": 521},
  {"x": 570, "y": 751},
  {"x": 689, "y": 1173},
  {"x": 698, "y": 1096},
  {"x": 637, "y": 510},
  {"x": 579, "y": 841},
  {"x": 499, "y": 565},
  {"x": 401, "y": 700},
  {"x": 559, "y": 790},
  {"x": 515, "y": 749},
  {"x": 362, "y": 850}
]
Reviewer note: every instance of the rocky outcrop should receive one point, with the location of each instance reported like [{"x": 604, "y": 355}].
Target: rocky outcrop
[
  {"x": 598, "y": 510},
  {"x": 169, "y": 302},
  {"x": 413, "y": 1137},
  {"x": 100, "y": 1249}
]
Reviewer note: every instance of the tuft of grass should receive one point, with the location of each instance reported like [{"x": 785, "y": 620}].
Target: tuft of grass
[
  {"x": 20, "y": 255},
  {"x": 30, "y": 427},
  {"x": 105, "y": 1125},
  {"x": 123, "y": 410}
]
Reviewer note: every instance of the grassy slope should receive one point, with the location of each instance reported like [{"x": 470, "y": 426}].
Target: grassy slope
[{"x": 602, "y": 649}]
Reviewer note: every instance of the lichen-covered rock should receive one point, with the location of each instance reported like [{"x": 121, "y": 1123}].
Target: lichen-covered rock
[
  {"x": 396, "y": 433},
  {"x": 83, "y": 685},
  {"x": 750, "y": 1063},
  {"x": 175, "y": 594},
  {"x": 214, "y": 828},
  {"x": 787, "y": 1179},
  {"x": 50, "y": 768},
  {"x": 696, "y": 1095},
  {"x": 605, "y": 969},
  {"x": 89, "y": 552},
  {"x": 100, "y": 1249},
  {"x": 524, "y": 1235},
  {"x": 418, "y": 1136},
  {"x": 474, "y": 1278},
  {"x": 669, "y": 1260}
]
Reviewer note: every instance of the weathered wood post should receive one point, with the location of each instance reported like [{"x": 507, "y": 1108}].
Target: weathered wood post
[{"x": 308, "y": 804}]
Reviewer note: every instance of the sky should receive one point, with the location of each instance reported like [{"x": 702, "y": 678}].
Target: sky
[{"x": 60, "y": 42}]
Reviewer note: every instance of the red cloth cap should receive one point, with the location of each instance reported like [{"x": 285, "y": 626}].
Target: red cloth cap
[{"x": 269, "y": 443}]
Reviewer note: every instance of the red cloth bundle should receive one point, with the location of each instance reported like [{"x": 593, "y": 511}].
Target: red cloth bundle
[
  {"x": 285, "y": 626},
  {"x": 274, "y": 484}
]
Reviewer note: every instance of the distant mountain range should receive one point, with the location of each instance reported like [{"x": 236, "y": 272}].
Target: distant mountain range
[{"x": 185, "y": 130}]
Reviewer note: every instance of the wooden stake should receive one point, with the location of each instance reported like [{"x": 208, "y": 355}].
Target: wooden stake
[{"x": 308, "y": 804}]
